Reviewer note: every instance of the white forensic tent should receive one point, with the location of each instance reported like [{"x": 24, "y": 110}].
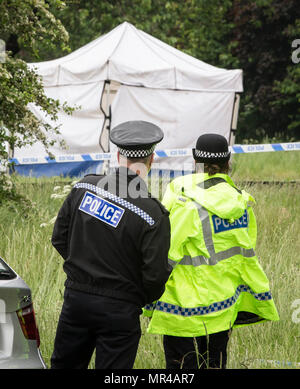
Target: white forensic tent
[{"x": 128, "y": 74}]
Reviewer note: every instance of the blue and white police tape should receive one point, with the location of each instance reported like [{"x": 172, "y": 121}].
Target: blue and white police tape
[{"x": 164, "y": 153}]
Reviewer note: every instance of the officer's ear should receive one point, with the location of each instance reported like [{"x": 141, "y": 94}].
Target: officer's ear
[{"x": 118, "y": 156}]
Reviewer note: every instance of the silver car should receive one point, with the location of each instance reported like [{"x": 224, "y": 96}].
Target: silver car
[{"x": 19, "y": 335}]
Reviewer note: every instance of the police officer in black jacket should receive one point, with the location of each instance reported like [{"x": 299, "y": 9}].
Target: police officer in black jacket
[{"x": 114, "y": 238}]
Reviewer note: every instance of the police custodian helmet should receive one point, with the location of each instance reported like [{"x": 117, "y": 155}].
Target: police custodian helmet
[
  {"x": 136, "y": 138},
  {"x": 211, "y": 148}
]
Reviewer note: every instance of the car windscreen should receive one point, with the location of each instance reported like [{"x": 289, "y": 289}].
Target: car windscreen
[{"x": 5, "y": 271}]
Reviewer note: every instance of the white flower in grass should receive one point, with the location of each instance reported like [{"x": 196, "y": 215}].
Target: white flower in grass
[
  {"x": 52, "y": 221},
  {"x": 57, "y": 196},
  {"x": 67, "y": 188}
]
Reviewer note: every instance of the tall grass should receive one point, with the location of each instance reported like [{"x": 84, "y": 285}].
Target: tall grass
[
  {"x": 278, "y": 249},
  {"x": 270, "y": 166},
  {"x": 26, "y": 246}
]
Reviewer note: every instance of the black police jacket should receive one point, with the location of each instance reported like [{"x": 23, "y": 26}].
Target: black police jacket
[{"x": 114, "y": 238}]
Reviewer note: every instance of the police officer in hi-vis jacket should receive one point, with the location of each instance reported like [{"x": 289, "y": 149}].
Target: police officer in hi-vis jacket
[
  {"x": 114, "y": 239},
  {"x": 217, "y": 282}
]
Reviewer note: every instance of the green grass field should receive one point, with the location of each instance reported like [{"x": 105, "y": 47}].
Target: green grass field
[{"x": 25, "y": 245}]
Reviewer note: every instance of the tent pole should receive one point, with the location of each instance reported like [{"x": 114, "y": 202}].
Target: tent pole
[
  {"x": 106, "y": 164},
  {"x": 234, "y": 119},
  {"x": 109, "y": 91},
  {"x": 105, "y": 145}
]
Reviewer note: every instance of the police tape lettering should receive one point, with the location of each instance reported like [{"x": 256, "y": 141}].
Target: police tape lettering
[{"x": 101, "y": 209}]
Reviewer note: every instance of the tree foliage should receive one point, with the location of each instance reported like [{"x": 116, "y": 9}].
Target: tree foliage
[
  {"x": 24, "y": 23},
  {"x": 263, "y": 34},
  {"x": 30, "y": 21}
]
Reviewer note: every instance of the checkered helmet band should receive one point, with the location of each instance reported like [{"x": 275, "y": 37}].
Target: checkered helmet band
[
  {"x": 136, "y": 153},
  {"x": 207, "y": 154}
]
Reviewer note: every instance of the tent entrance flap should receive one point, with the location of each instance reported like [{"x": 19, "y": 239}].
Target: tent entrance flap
[{"x": 109, "y": 91}]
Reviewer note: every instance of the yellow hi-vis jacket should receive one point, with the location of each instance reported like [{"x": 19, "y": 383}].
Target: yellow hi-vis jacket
[{"x": 217, "y": 282}]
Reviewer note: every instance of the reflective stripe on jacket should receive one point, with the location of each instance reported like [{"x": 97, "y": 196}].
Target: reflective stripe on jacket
[{"x": 217, "y": 282}]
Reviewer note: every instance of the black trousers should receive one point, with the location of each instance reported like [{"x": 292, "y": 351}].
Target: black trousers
[
  {"x": 90, "y": 322},
  {"x": 196, "y": 353}
]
